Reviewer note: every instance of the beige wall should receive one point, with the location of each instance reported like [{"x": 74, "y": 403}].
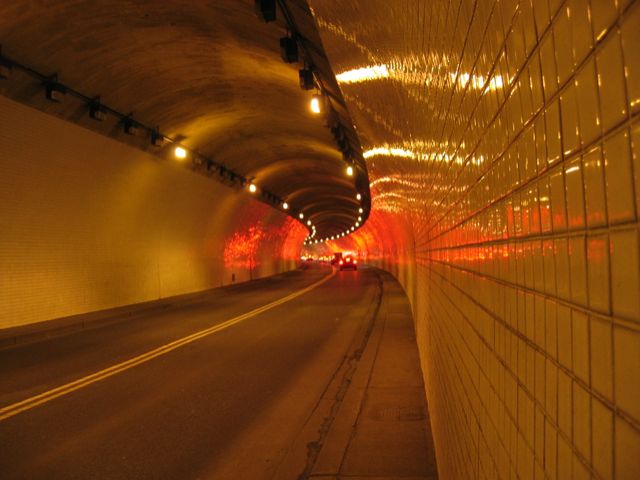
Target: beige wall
[
  {"x": 509, "y": 210},
  {"x": 88, "y": 223}
]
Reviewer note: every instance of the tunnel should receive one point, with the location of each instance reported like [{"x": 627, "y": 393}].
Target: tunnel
[{"x": 296, "y": 239}]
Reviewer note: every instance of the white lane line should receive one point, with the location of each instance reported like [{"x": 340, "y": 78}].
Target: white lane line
[{"x": 31, "y": 402}]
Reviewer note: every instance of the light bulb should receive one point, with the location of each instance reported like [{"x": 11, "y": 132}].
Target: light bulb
[
  {"x": 180, "y": 153},
  {"x": 316, "y": 106}
]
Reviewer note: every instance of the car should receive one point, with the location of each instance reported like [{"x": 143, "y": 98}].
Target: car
[
  {"x": 337, "y": 256},
  {"x": 348, "y": 262}
]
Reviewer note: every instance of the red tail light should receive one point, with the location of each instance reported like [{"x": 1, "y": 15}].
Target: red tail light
[{"x": 340, "y": 262}]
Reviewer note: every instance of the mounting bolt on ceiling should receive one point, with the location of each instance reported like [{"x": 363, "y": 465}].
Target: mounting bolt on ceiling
[
  {"x": 130, "y": 126},
  {"x": 97, "y": 111},
  {"x": 55, "y": 91},
  {"x": 158, "y": 139},
  {"x": 6, "y": 67}
]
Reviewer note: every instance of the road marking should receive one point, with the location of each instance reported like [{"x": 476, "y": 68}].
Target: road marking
[{"x": 29, "y": 403}]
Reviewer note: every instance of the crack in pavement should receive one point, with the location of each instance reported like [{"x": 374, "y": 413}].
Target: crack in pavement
[{"x": 352, "y": 360}]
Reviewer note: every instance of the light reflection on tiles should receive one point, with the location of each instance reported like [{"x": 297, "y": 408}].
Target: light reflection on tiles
[{"x": 503, "y": 145}]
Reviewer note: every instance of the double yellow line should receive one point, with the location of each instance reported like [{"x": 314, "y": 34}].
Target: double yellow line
[{"x": 29, "y": 403}]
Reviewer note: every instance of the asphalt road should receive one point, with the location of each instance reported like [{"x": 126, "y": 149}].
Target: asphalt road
[{"x": 225, "y": 405}]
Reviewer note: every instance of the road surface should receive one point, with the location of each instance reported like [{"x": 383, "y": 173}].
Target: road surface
[{"x": 219, "y": 386}]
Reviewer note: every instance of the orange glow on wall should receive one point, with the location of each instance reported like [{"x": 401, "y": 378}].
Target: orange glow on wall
[{"x": 259, "y": 238}]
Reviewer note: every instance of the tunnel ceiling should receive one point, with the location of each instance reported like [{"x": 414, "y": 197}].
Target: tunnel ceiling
[{"x": 210, "y": 76}]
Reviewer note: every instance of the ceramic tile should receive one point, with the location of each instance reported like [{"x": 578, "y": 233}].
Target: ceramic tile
[
  {"x": 602, "y": 427},
  {"x": 580, "y": 345},
  {"x": 562, "y": 268},
  {"x": 564, "y": 336},
  {"x": 602, "y": 357},
  {"x": 581, "y": 39},
  {"x": 627, "y": 353},
  {"x": 625, "y": 278},
  {"x": 574, "y": 194},
  {"x": 594, "y": 190},
  {"x": 569, "y": 113},
  {"x": 578, "y": 270},
  {"x": 635, "y": 151},
  {"x": 603, "y": 13},
  {"x": 550, "y": 450},
  {"x": 613, "y": 103},
  {"x": 549, "y": 73},
  {"x": 598, "y": 273},
  {"x": 565, "y": 457},
  {"x": 541, "y": 16},
  {"x": 588, "y": 107},
  {"x": 631, "y": 50},
  {"x": 564, "y": 53},
  {"x": 619, "y": 178},
  {"x": 627, "y": 450},
  {"x": 551, "y": 329},
  {"x": 554, "y": 145},
  {"x": 558, "y": 203}
]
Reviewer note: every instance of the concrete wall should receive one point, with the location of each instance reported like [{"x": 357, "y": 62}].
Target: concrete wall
[
  {"x": 504, "y": 150},
  {"x": 88, "y": 223}
]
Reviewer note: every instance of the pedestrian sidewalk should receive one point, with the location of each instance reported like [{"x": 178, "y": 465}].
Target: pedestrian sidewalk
[{"x": 379, "y": 428}]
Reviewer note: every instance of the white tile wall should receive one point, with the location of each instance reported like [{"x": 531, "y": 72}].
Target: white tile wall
[
  {"x": 507, "y": 204},
  {"x": 88, "y": 223}
]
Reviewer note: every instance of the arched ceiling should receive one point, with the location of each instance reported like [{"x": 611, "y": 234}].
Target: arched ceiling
[{"x": 209, "y": 75}]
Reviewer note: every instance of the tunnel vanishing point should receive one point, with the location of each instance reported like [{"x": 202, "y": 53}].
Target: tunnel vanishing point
[{"x": 176, "y": 176}]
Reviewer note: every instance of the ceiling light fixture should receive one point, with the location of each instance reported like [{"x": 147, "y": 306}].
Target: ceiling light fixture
[
  {"x": 350, "y": 171},
  {"x": 285, "y": 206},
  {"x": 180, "y": 153},
  {"x": 252, "y": 187},
  {"x": 316, "y": 104}
]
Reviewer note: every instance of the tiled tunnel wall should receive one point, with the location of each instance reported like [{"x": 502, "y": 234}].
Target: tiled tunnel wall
[
  {"x": 89, "y": 223},
  {"x": 503, "y": 143}
]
